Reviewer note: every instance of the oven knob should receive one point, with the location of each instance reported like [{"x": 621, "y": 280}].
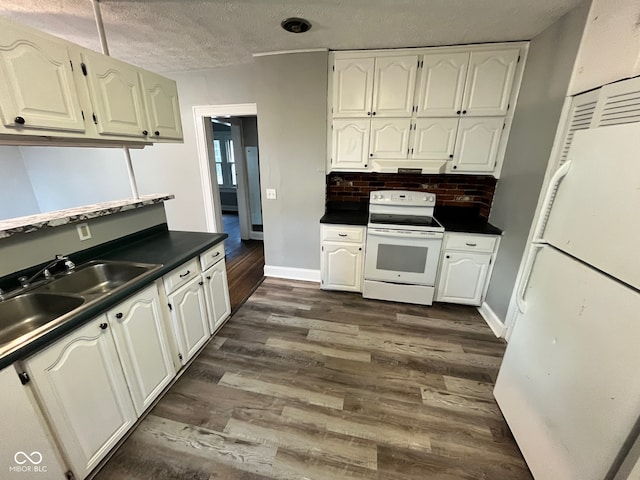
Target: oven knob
[{"x": 425, "y": 198}]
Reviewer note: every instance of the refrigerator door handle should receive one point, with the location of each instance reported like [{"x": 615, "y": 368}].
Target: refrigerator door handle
[
  {"x": 537, "y": 242},
  {"x": 549, "y": 196}
]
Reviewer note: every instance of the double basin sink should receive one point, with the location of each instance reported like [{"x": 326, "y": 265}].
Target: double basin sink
[{"x": 40, "y": 308}]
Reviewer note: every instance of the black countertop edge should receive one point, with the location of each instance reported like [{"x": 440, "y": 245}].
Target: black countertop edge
[
  {"x": 161, "y": 246},
  {"x": 345, "y": 217}
]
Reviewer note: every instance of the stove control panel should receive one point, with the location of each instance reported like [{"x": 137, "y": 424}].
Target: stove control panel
[{"x": 402, "y": 197}]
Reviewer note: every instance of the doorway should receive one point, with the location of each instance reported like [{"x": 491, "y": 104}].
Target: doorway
[{"x": 227, "y": 140}]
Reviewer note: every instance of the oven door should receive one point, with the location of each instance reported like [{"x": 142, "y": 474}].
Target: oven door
[{"x": 402, "y": 256}]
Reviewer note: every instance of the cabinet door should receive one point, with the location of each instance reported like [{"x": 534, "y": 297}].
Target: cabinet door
[
  {"x": 163, "y": 110},
  {"x": 389, "y": 137},
  {"x": 477, "y": 144},
  {"x": 394, "y": 86},
  {"x": 217, "y": 294},
  {"x": 25, "y": 431},
  {"x": 36, "y": 84},
  {"x": 462, "y": 277},
  {"x": 342, "y": 267},
  {"x": 116, "y": 96},
  {"x": 189, "y": 315},
  {"x": 350, "y": 144},
  {"x": 352, "y": 87},
  {"x": 434, "y": 138},
  {"x": 488, "y": 86},
  {"x": 84, "y": 392},
  {"x": 142, "y": 345},
  {"x": 442, "y": 84}
]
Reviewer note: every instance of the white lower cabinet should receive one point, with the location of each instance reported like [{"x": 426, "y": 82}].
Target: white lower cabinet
[
  {"x": 84, "y": 393},
  {"x": 465, "y": 268},
  {"x": 342, "y": 259},
  {"x": 216, "y": 292},
  {"x": 142, "y": 345},
  {"x": 189, "y": 318},
  {"x": 27, "y": 449}
]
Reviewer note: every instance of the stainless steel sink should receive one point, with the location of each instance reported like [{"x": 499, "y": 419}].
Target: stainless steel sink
[
  {"x": 27, "y": 312},
  {"x": 98, "y": 277}
]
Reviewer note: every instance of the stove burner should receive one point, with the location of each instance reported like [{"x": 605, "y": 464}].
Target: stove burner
[{"x": 408, "y": 220}]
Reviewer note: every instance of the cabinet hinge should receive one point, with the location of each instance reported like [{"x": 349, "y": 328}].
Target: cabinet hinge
[
  {"x": 332, "y": 111},
  {"x": 495, "y": 164},
  {"x": 518, "y": 59},
  {"x": 331, "y": 161},
  {"x": 24, "y": 378},
  {"x": 508, "y": 106},
  {"x": 504, "y": 125},
  {"x": 84, "y": 69},
  {"x": 333, "y": 67},
  {"x": 412, "y": 151},
  {"x": 69, "y": 475},
  {"x": 95, "y": 118},
  {"x": 407, "y": 151},
  {"x": 82, "y": 112},
  {"x": 71, "y": 63},
  {"x": 170, "y": 307},
  {"x": 180, "y": 356}
]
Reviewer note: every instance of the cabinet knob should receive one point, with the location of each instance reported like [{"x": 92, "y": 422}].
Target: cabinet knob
[
  {"x": 451, "y": 155},
  {"x": 200, "y": 283},
  {"x": 458, "y": 112},
  {"x": 20, "y": 120},
  {"x": 156, "y": 133},
  {"x": 368, "y": 113},
  {"x": 455, "y": 166},
  {"x": 118, "y": 315},
  {"x": 360, "y": 248},
  {"x": 145, "y": 133},
  {"x": 365, "y": 165},
  {"x": 448, "y": 256},
  {"x": 208, "y": 277},
  {"x": 104, "y": 326},
  {"x": 464, "y": 112},
  {"x": 373, "y": 113},
  {"x": 371, "y": 154}
]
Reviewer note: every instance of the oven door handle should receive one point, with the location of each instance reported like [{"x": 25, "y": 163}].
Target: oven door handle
[{"x": 396, "y": 233}]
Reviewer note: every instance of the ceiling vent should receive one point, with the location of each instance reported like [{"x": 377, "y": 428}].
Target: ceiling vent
[{"x": 296, "y": 25}]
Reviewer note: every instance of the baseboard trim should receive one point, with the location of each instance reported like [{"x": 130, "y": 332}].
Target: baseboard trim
[
  {"x": 292, "y": 273},
  {"x": 498, "y": 328},
  {"x": 256, "y": 235}
]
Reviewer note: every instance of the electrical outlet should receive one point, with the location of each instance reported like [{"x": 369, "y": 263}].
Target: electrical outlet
[
  {"x": 271, "y": 194},
  {"x": 83, "y": 231}
]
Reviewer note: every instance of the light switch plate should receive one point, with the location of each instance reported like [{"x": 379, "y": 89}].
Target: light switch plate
[
  {"x": 83, "y": 231},
  {"x": 271, "y": 194}
]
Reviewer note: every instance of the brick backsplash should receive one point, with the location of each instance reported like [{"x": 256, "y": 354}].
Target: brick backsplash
[{"x": 450, "y": 190}]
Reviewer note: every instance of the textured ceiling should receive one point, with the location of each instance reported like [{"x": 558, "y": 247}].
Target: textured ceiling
[{"x": 179, "y": 35}]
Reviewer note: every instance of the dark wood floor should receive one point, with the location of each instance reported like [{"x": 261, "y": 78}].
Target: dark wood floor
[
  {"x": 245, "y": 262},
  {"x": 307, "y": 384}
]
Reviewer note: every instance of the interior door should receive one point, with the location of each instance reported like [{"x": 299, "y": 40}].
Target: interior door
[
  {"x": 595, "y": 210},
  {"x": 565, "y": 386}
]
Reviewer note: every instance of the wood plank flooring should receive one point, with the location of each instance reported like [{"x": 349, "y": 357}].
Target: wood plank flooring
[{"x": 306, "y": 384}]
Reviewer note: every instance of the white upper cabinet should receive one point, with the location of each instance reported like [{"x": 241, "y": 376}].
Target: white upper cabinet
[
  {"x": 442, "y": 84},
  {"x": 352, "y": 87},
  {"x": 434, "y": 138},
  {"x": 163, "y": 109},
  {"x": 37, "y": 88},
  {"x": 350, "y": 144},
  {"x": 116, "y": 96},
  {"x": 489, "y": 80},
  {"x": 477, "y": 144},
  {"x": 394, "y": 86},
  {"x": 389, "y": 137}
]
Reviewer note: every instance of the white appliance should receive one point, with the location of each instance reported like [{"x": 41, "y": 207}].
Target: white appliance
[
  {"x": 567, "y": 384},
  {"x": 403, "y": 247}
]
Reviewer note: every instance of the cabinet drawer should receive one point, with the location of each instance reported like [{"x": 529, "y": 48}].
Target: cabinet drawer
[
  {"x": 181, "y": 275},
  {"x": 211, "y": 256},
  {"x": 340, "y": 233},
  {"x": 470, "y": 243}
]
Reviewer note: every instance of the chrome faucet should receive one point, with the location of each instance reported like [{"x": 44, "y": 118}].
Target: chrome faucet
[{"x": 26, "y": 281}]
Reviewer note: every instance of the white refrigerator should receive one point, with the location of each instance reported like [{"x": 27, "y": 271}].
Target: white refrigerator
[{"x": 569, "y": 384}]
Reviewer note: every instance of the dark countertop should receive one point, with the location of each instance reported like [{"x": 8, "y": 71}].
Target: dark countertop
[
  {"x": 453, "y": 219},
  {"x": 155, "y": 245}
]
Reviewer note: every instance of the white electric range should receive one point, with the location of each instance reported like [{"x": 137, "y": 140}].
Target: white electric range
[{"x": 403, "y": 247}]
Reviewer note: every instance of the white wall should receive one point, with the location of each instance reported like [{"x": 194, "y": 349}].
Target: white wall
[
  {"x": 544, "y": 86},
  {"x": 610, "y": 48},
  {"x": 173, "y": 168},
  {"x": 292, "y": 102},
  {"x": 16, "y": 194},
  {"x": 70, "y": 177}
]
